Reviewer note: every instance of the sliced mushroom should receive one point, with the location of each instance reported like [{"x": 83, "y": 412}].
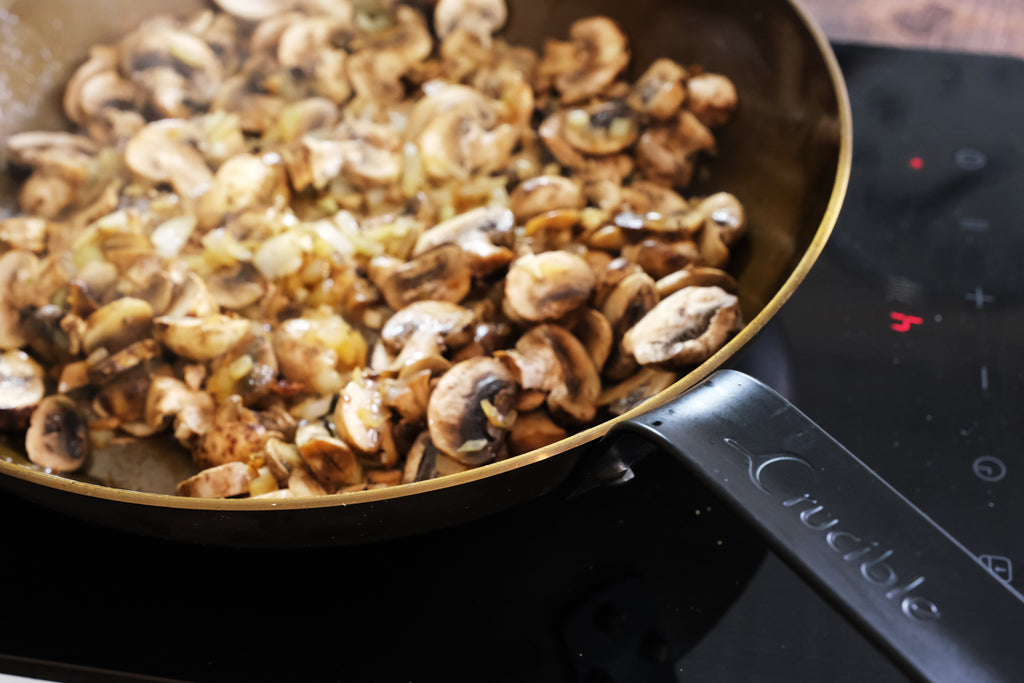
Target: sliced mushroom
[
  {"x": 440, "y": 274},
  {"x": 448, "y": 323},
  {"x": 712, "y": 98},
  {"x": 330, "y": 460},
  {"x": 667, "y": 153},
  {"x": 18, "y": 270},
  {"x": 534, "y": 430},
  {"x": 596, "y": 334},
  {"x": 165, "y": 152},
  {"x": 359, "y": 415},
  {"x": 660, "y": 91},
  {"x": 237, "y": 286},
  {"x": 601, "y": 128},
  {"x": 551, "y": 359},
  {"x": 110, "y": 366},
  {"x": 190, "y": 410},
  {"x": 58, "y": 436},
  {"x": 482, "y": 18},
  {"x": 725, "y": 214},
  {"x": 21, "y": 389},
  {"x": 684, "y": 329},
  {"x": 314, "y": 350},
  {"x": 243, "y": 182},
  {"x": 595, "y": 55},
  {"x": 222, "y": 481},
  {"x": 459, "y": 131},
  {"x": 424, "y": 461},
  {"x": 201, "y": 339},
  {"x": 482, "y": 233},
  {"x": 65, "y": 155},
  {"x": 698, "y": 276},
  {"x": 660, "y": 258},
  {"x": 235, "y": 436},
  {"x": 545, "y": 193},
  {"x": 461, "y": 424},
  {"x": 117, "y": 325},
  {"x": 178, "y": 70},
  {"x": 635, "y": 390},
  {"x": 548, "y": 285},
  {"x": 370, "y": 153}
]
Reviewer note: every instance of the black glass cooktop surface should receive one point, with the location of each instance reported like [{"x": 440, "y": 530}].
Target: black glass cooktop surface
[{"x": 903, "y": 342}]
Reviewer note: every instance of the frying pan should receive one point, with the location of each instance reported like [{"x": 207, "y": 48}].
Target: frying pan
[{"x": 910, "y": 587}]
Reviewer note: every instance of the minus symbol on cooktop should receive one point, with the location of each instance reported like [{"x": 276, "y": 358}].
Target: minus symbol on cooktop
[
  {"x": 984, "y": 378},
  {"x": 974, "y": 224}
]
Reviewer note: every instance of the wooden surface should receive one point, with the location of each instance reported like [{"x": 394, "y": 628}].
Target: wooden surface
[{"x": 986, "y": 26}]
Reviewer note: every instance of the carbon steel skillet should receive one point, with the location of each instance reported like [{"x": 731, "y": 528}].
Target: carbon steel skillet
[{"x": 910, "y": 587}]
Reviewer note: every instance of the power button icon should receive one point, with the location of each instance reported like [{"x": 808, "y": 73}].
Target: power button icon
[{"x": 989, "y": 468}]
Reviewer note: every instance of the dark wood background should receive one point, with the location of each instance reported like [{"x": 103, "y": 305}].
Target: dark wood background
[{"x": 986, "y": 26}]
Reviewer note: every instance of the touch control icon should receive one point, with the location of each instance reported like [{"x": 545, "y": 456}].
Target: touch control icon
[
  {"x": 989, "y": 468},
  {"x": 1001, "y": 566}
]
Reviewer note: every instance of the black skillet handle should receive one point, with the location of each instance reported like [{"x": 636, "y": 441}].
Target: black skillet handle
[{"x": 906, "y": 583}]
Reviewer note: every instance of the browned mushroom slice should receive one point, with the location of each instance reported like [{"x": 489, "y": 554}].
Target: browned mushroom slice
[
  {"x": 236, "y": 435},
  {"x": 661, "y": 257},
  {"x": 249, "y": 370},
  {"x": 548, "y": 285},
  {"x": 712, "y": 98},
  {"x": 115, "y": 326},
  {"x": 551, "y": 359},
  {"x": 471, "y": 411},
  {"x": 21, "y": 389},
  {"x": 534, "y": 430},
  {"x": 542, "y": 194},
  {"x": 223, "y": 481},
  {"x": 645, "y": 197},
  {"x": 370, "y": 153},
  {"x": 667, "y": 153},
  {"x": 190, "y": 410},
  {"x": 178, "y": 70},
  {"x": 698, "y": 276},
  {"x": 18, "y": 270},
  {"x": 105, "y": 369},
  {"x": 359, "y": 415},
  {"x": 58, "y": 436},
  {"x": 596, "y": 334},
  {"x": 483, "y": 233},
  {"x": 424, "y": 461},
  {"x": 68, "y": 155},
  {"x": 236, "y": 286},
  {"x": 165, "y": 152},
  {"x": 595, "y": 55},
  {"x": 685, "y": 328},
  {"x": 635, "y": 390},
  {"x": 725, "y": 213},
  {"x": 466, "y": 141},
  {"x": 313, "y": 351},
  {"x": 601, "y": 128},
  {"x": 440, "y": 274},
  {"x": 330, "y": 460},
  {"x": 448, "y": 323},
  {"x": 482, "y": 18},
  {"x": 201, "y": 339},
  {"x": 660, "y": 91},
  {"x": 245, "y": 181}
]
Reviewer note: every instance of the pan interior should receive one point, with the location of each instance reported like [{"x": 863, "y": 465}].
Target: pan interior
[{"x": 786, "y": 154}]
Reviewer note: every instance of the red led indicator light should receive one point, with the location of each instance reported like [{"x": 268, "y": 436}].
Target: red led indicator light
[
  {"x": 916, "y": 163},
  {"x": 903, "y": 322}
]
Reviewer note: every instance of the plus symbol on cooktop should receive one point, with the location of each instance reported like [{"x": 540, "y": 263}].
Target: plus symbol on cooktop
[{"x": 979, "y": 297}]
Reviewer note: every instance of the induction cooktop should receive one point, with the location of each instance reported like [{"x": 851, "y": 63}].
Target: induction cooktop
[{"x": 904, "y": 342}]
